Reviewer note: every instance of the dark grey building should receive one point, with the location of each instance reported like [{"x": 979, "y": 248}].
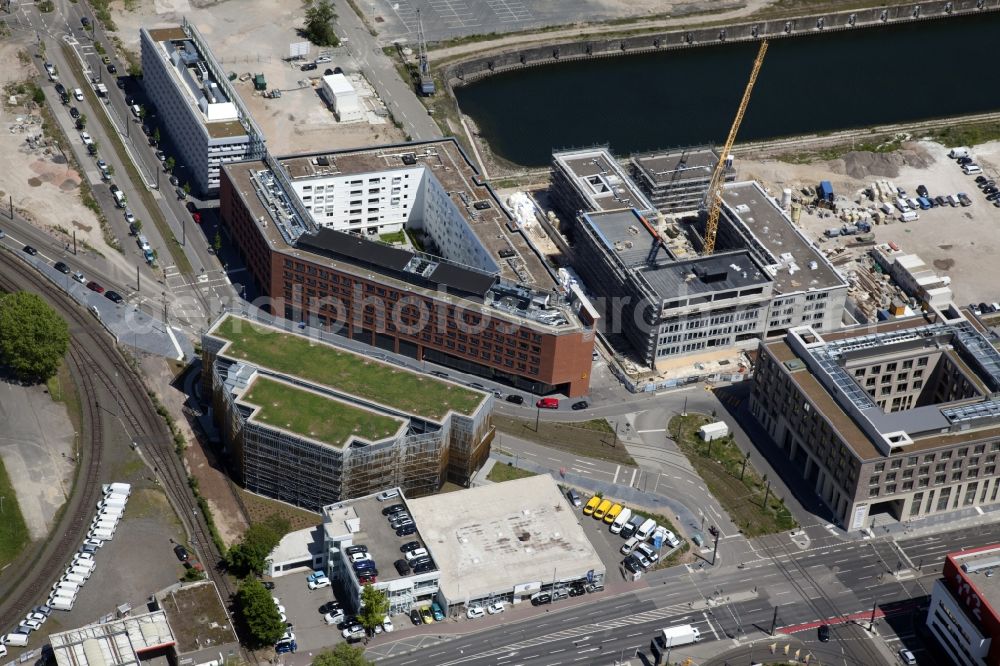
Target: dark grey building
[{"x": 677, "y": 180}]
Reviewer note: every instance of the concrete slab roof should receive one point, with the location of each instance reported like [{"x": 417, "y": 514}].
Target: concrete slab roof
[
  {"x": 598, "y": 175},
  {"x": 197, "y": 614},
  {"x": 797, "y": 264},
  {"x": 674, "y": 165},
  {"x": 117, "y": 643},
  {"x": 445, "y": 161},
  {"x": 704, "y": 275},
  {"x": 489, "y": 539}
]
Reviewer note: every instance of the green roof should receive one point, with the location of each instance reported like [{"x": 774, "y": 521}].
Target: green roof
[
  {"x": 315, "y": 415},
  {"x": 353, "y": 374}
]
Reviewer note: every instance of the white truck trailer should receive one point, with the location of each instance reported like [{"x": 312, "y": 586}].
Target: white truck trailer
[
  {"x": 682, "y": 634},
  {"x": 711, "y": 431}
]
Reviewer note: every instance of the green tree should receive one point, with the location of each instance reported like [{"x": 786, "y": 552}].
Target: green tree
[
  {"x": 217, "y": 242},
  {"x": 187, "y": 188},
  {"x": 319, "y": 23},
  {"x": 138, "y": 226},
  {"x": 169, "y": 164},
  {"x": 374, "y": 606},
  {"x": 248, "y": 556},
  {"x": 135, "y": 70},
  {"x": 33, "y": 338},
  {"x": 156, "y": 135},
  {"x": 143, "y": 112},
  {"x": 344, "y": 654},
  {"x": 38, "y": 96},
  {"x": 259, "y": 614}
]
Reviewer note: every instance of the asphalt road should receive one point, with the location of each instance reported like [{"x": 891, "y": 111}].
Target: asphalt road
[
  {"x": 830, "y": 581},
  {"x": 398, "y": 95}
]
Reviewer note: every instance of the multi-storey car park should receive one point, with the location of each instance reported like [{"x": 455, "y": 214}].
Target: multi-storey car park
[
  {"x": 676, "y": 180},
  {"x": 200, "y": 111},
  {"x": 964, "y": 614},
  {"x": 661, "y": 298},
  {"x": 310, "y": 424},
  {"x": 478, "y": 297},
  {"x": 498, "y": 542},
  {"x": 900, "y": 420}
]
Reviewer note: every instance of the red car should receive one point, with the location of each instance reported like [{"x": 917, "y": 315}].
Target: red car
[
  {"x": 93, "y": 286},
  {"x": 548, "y": 403},
  {"x": 367, "y": 580},
  {"x": 196, "y": 217}
]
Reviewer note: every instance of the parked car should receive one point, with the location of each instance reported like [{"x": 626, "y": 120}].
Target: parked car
[
  {"x": 74, "y": 113},
  {"x": 78, "y": 276},
  {"x": 318, "y": 583},
  {"x": 437, "y": 611},
  {"x": 114, "y": 297},
  {"x": 402, "y": 567},
  {"x": 582, "y": 404},
  {"x": 406, "y": 530},
  {"x": 387, "y": 495},
  {"x": 415, "y": 617},
  {"x": 515, "y": 399},
  {"x": 93, "y": 286},
  {"x": 540, "y": 598},
  {"x": 574, "y": 497},
  {"x": 548, "y": 403},
  {"x": 387, "y": 625},
  {"x": 495, "y": 608},
  {"x": 424, "y": 567},
  {"x": 907, "y": 657},
  {"x": 317, "y": 574},
  {"x": 408, "y": 546},
  {"x": 181, "y": 553},
  {"x": 61, "y": 267},
  {"x": 425, "y": 615},
  {"x": 475, "y": 612},
  {"x": 30, "y": 250},
  {"x": 368, "y": 579},
  {"x": 308, "y": 67},
  {"x": 323, "y": 58},
  {"x": 395, "y": 508}
]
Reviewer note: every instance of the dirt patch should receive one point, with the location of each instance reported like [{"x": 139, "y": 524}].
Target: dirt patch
[
  {"x": 35, "y": 182},
  {"x": 944, "y": 264},
  {"x": 863, "y": 165},
  {"x": 946, "y": 247}
]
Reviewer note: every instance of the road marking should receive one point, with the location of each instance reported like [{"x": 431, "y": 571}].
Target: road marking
[
  {"x": 618, "y": 468},
  {"x": 634, "y": 472},
  {"x": 643, "y": 432}
]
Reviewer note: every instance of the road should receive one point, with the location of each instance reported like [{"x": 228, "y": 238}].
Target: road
[
  {"x": 830, "y": 581},
  {"x": 398, "y": 95}
]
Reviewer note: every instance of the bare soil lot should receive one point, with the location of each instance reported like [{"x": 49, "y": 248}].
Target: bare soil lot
[{"x": 961, "y": 243}]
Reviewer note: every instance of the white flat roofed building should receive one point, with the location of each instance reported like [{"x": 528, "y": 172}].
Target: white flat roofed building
[
  {"x": 343, "y": 98},
  {"x": 197, "y": 106},
  {"x": 122, "y": 642},
  {"x": 505, "y": 541}
]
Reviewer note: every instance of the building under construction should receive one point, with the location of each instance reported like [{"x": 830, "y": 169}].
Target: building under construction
[
  {"x": 310, "y": 423},
  {"x": 677, "y": 180},
  {"x": 661, "y": 295}
]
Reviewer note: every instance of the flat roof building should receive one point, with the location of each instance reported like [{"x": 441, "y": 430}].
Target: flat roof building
[
  {"x": 676, "y": 181},
  {"x": 900, "y": 420},
  {"x": 964, "y": 614},
  {"x": 590, "y": 179},
  {"x": 479, "y": 298},
  {"x": 189, "y": 626},
  {"x": 661, "y": 299},
  {"x": 309, "y": 423},
  {"x": 343, "y": 98},
  {"x": 197, "y": 105},
  {"x": 506, "y": 541},
  {"x": 497, "y": 542}
]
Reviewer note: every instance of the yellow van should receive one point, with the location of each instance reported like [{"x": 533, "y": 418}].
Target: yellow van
[
  {"x": 591, "y": 505},
  {"x": 610, "y": 516},
  {"x": 600, "y": 512}
]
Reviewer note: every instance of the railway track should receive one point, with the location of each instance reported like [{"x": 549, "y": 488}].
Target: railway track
[{"x": 96, "y": 367}]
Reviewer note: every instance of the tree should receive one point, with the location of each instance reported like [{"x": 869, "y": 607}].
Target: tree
[
  {"x": 81, "y": 122},
  {"x": 344, "y": 654},
  {"x": 138, "y": 226},
  {"x": 319, "y": 23},
  {"x": 217, "y": 242},
  {"x": 156, "y": 135},
  {"x": 38, "y": 96},
  {"x": 168, "y": 164},
  {"x": 143, "y": 113},
  {"x": 135, "y": 70},
  {"x": 258, "y": 613},
  {"x": 374, "y": 606},
  {"x": 248, "y": 556},
  {"x": 33, "y": 338},
  {"x": 187, "y": 188}
]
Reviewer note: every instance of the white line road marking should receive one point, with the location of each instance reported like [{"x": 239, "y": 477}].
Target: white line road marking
[
  {"x": 618, "y": 468},
  {"x": 643, "y": 432},
  {"x": 634, "y": 472}
]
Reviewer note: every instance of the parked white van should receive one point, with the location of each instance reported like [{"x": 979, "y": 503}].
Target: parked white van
[
  {"x": 103, "y": 535},
  {"x": 645, "y": 529},
  {"x": 971, "y": 169},
  {"x": 80, "y": 571},
  {"x": 54, "y": 599},
  {"x": 616, "y": 527},
  {"x": 119, "y": 488},
  {"x": 113, "y": 501},
  {"x": 72, "y": 588},
  {"x": 17, "y": 640},
  {"x": 76, "y": 579}
]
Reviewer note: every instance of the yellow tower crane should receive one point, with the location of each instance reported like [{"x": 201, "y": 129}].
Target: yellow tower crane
[{"x": 713, "y": 198}]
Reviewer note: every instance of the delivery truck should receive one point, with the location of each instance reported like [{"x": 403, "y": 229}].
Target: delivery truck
[
  {"x": 711, "y": 431},
  {"x": 117, "y": 488},
  {"x": 681, "y": 634}
]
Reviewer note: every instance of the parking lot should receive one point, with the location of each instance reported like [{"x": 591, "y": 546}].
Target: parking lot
[{"x": 302, "y": 607}]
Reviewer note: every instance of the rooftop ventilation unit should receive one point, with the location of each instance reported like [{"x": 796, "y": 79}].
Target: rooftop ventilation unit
[
  {"x": 979, "y": 565},
  {"x": 409, "y": 159}
]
